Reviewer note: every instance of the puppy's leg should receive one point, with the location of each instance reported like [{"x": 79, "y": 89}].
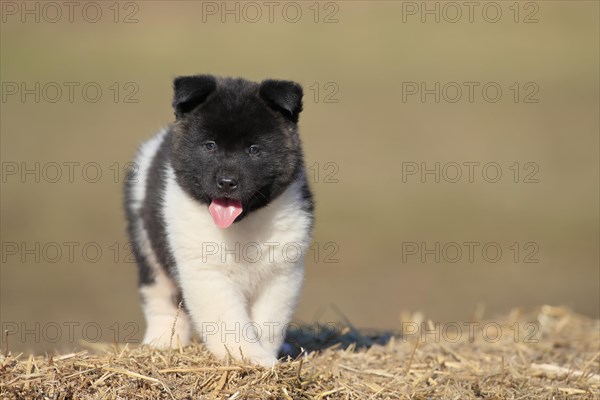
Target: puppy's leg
[
  {"x": 218, "y": 309},
  {"x": 274, "y": 305},
  {"x": 167, "y": 325}
]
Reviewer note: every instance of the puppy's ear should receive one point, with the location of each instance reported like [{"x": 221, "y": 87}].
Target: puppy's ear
[
  {"x": 283, "y": 96},
  {"x": 191, "y": 91}
]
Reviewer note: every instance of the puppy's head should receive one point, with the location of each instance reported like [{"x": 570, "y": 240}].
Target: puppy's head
[{"x": 235, "y": 144}]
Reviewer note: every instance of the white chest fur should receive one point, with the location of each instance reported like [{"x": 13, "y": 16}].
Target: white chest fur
[{"x": 267, "y": 239}]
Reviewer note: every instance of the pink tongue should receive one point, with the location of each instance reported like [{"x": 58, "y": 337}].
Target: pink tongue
[{"x": 225, "y": 211}]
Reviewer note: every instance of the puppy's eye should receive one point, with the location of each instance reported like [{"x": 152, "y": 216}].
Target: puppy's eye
[
  {"x": 210, "y": 146},
  {"x": 254, "y": 149}
]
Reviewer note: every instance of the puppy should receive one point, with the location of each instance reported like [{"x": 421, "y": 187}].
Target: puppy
[{"x": 220, "y": 214}]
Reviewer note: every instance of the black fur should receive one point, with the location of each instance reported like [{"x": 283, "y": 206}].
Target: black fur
[
  {"x": 285, "y": 96},
  {"x": 235, "y": 115},
  {"x": 191, "y": 91}
]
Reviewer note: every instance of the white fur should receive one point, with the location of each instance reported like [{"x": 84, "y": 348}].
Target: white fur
[
  {"x": 142, "y": 162},
  {"x": 240, "y": 284},
  {"x": 167, "y": 325}
]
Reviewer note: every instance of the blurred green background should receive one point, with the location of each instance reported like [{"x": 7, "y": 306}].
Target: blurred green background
[{"x": 354, "y": 59}]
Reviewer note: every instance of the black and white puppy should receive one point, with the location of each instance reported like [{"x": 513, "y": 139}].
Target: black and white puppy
[{"x": 220, "y": 215}]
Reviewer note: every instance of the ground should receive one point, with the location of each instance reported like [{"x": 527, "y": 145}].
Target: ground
[{"x": 550, "y": 353}]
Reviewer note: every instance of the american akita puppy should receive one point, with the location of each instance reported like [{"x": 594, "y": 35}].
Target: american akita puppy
[{"x": 220, "y": 215}]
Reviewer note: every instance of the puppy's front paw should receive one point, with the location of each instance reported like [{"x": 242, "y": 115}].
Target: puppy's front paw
[
  {"x": 167, "y": 339},
  {"x": 168, "y": 331},
  {"x": 263, "y": 360},
  {"x": 258, "y": 355}
]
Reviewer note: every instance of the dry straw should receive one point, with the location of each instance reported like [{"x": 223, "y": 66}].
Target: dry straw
[{"x": 557, "y": 357}]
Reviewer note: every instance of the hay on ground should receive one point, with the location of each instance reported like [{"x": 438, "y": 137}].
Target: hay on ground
[{"x": 549, "y": 354}]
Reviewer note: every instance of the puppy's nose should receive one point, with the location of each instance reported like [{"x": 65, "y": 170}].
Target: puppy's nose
[{"x": 227, "y": 182}]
